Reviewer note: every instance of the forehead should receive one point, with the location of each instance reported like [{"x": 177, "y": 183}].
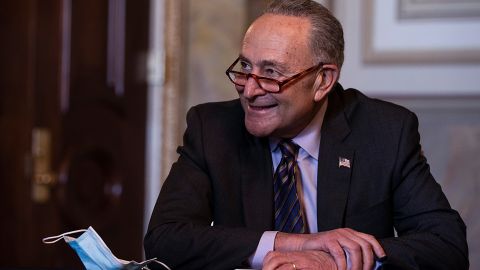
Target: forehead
[{"x": 278, "y": 38}]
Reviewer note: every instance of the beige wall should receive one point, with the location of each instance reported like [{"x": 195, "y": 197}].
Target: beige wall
[
  {"x": 215, "y": 30},
  {"x": 449, "y": 118},
  {"x": 445, "y": 94}
]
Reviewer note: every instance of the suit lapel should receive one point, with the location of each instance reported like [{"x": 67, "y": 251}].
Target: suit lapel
[
  {"x": 335, "y": 164},
  {"x": 257, "y": 183},
  {"x": 333, "y": 181}
]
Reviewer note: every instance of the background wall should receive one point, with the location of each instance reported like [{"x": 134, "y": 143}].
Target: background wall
[
  {"x": 421, "y": 70},
  {"x": 443, "y": 90},
  {"x": 214, "y": 38},
  {"x": 442, "y": 87}
]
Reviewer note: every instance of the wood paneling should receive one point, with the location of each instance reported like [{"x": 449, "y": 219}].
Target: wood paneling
[{"x": 97, "y": 135}]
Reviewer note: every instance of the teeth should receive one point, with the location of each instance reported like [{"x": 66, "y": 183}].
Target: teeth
[{"x": 262, "y": 106}]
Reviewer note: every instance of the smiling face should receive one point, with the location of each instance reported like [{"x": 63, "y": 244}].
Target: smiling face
[{"x": 277, "y": 47}]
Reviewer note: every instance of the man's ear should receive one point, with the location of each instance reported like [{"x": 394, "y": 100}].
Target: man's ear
[{"x": 325, "y": 81}]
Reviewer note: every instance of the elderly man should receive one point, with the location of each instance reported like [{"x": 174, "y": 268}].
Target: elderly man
[{"x": 299, "y": 173}]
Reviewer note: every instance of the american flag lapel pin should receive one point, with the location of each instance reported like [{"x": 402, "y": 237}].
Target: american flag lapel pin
[{"x": 343, "y": 162}]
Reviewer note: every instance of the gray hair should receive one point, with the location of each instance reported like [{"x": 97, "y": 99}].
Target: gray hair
[{"x": 327, "y": 41}]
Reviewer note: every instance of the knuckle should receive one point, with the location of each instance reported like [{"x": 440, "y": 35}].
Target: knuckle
[
  {"x": 370, "y": 238},
  {"x": 367, "y": 244},
  {"x": 270, "y": 255},
  {"x": 331, "y": 243},
  {"x": 337, "y": 251},
  {"x": 356, "y": 248}
]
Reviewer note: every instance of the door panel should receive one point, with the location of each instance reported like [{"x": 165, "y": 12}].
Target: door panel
[{"x": 72, "y": 70}]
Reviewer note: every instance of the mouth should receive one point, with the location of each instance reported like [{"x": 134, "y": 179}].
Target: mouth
[{"x": 261, "y": 107}]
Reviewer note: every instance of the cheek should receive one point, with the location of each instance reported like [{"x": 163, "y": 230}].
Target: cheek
[
  {"x": 295, "y": 109},
  {"x": 295, "y": 105},
  {"x": 239, "y": 88}
]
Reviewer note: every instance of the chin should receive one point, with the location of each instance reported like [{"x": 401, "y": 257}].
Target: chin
[{"x": 258, "y": 130}]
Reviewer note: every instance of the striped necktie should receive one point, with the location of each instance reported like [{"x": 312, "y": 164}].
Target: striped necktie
[{"x": 288, "y": 214}]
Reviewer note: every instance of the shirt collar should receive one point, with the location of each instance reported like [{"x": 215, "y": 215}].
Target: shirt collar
[{"x": 309, "y": 138}]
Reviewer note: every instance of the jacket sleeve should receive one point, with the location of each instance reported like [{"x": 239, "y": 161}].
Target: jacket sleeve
[
  {"x": 180, "y": 231},
  {"x": 431, "y": 235}
]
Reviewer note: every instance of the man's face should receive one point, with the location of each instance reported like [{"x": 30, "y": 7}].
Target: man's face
[{"x": 277, "y": 46}]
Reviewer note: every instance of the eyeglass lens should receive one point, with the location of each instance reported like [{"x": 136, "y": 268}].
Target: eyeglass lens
[{"x": 241, "y": 79}]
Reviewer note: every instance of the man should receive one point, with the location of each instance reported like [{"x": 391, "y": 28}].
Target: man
[{"x": 299, "y": 173}]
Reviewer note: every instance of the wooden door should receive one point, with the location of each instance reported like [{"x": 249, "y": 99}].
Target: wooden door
[{"x": 72, "y": 126}]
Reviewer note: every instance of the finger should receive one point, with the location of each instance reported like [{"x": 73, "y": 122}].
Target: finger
[
  {"x": 377, "y": 248},
  {"x": 274, "y": 260},
  {"x": 336, "y": 251},
  {"x": 359, "y": 250},
  {"x": 287, "y": 266},
  {"x": 366, "y": 252},
  {"x": 367, "y": 258},
  {"x": 368, "y": 244},
  {"x": 353, "y": 254},
  {"x": 269, "y": 261},
  {"x": 272, "y": 265}
]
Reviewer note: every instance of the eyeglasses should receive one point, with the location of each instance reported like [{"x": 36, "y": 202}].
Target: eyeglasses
[{"x": 268, "y": 84}]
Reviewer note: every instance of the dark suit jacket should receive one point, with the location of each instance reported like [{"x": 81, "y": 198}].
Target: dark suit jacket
[{"x": 224, "y": 175}]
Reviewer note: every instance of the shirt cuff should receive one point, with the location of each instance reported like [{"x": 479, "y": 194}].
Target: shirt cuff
[{"x": 267, "y": 241}]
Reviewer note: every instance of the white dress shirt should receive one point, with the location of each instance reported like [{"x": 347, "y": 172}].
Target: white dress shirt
[{"x": 309, "y": 141}]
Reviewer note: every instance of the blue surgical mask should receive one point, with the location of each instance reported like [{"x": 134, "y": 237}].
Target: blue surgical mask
[{"x": 94, "y": 253}]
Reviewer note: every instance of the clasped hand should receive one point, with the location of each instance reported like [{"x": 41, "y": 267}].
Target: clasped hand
[{"x": 324, "y": 250}]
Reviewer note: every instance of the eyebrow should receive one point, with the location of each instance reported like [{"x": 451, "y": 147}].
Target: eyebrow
[{"x": 263, "y": 63}]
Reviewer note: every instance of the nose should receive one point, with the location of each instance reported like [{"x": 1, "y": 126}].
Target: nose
[{"x": 252, "y": 88}]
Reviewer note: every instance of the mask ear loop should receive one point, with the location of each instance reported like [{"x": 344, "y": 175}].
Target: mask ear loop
[
  {"x": 154, "y": 260},
  {"x": 54, "y": 239}
]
